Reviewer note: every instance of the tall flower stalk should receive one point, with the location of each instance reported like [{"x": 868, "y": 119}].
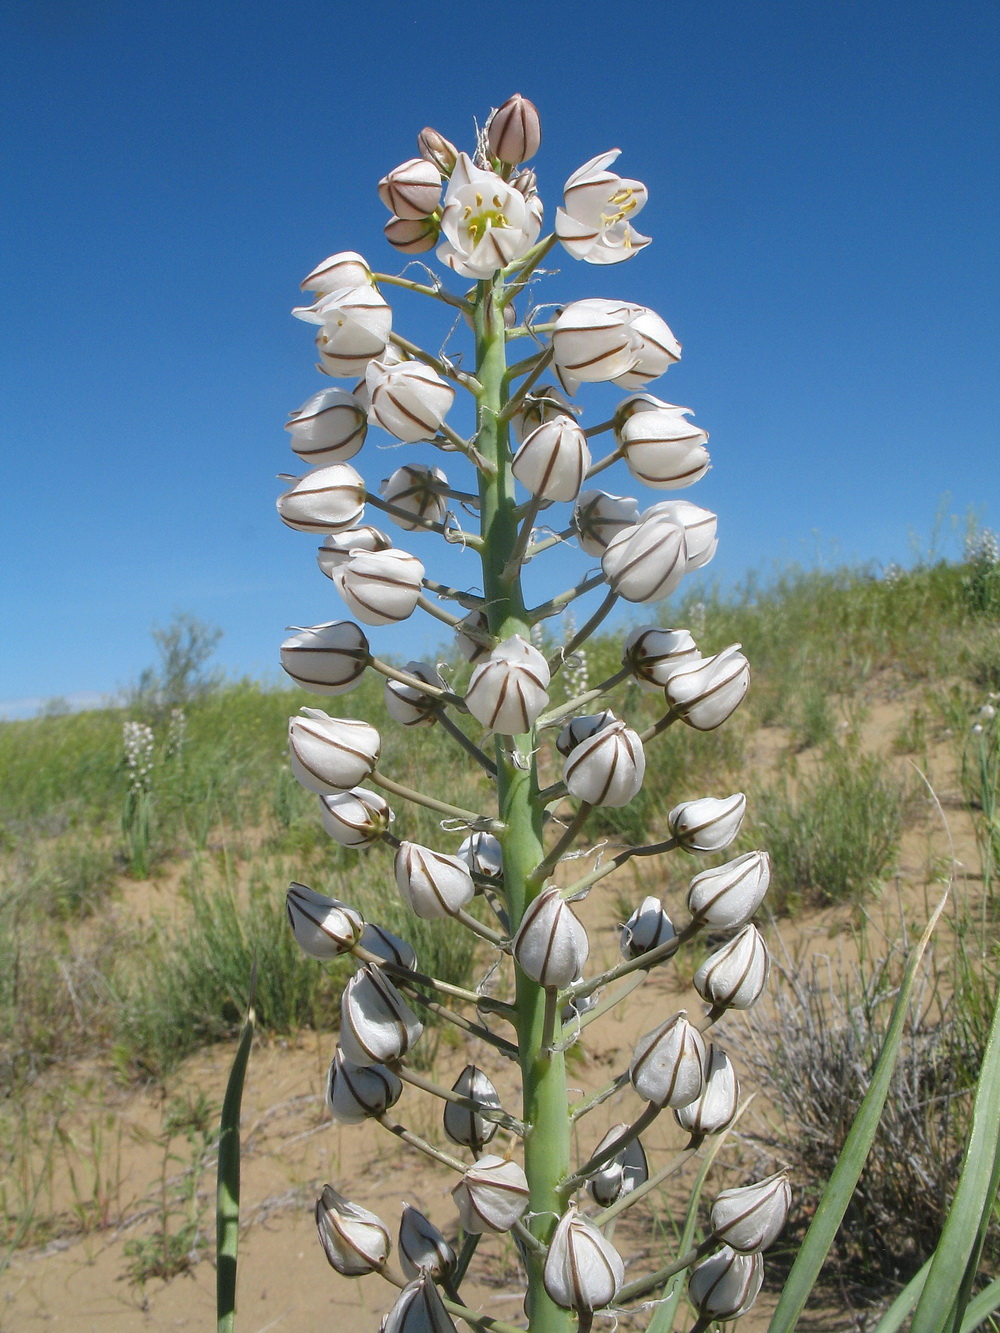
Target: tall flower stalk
[{"x": 527, "y": 453}]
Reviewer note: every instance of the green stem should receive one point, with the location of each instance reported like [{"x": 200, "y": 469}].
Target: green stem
[
  {"x": 438, "y": 293},
  {"x": 469, "y": 817}
]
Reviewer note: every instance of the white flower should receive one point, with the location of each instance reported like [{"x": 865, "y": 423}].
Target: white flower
[
  {"x": 508, "y": 691},
  {"x": 656, "y": 350},
  {"x": 715, "y": 1109},
  {"x": 597, "y": 339},
  {"x": 327, "y": 659},
  {"x": 412, "y": 190},
  {"x": 356, "y": 1092},
  {"x": 418, "y": 1309},
  {"x": 653, "y": 655},
  {"x": 726, "y": 1285},
  {"x": 709, "y": 824},
  {"x": 377, "y": 1026},
  {"x": 323, "y": 927},
  {"x": 465, "y": 1126},
  {"x": 388, "y": 947},
  {"x": 345, "y": 269},
  {"x": 336, "y": 548},
  {"x": 329, "y": 427},
  {"x": 408, "y": 705},
  {"x": 483, "y": 854},
  {"x": 647, "y": 928},
  {"x": 355, "y": 323},
  {"x": 331, "y": 754},
  {"x": 752, "y": 1218},
  {"x": 543, "y": 403},
  {"x": 416, "y": 489},
  {"x": 579, "y": 729},
  {"x": 413, "y": 236},
  {"x": 491, "y": 1196},
  {"x": 379, "y": 587},
  {"x": 598, "y": 516},
  {"x": 433, "y": 884},
  {"x": 487, "y": 224},
  {"x": 661, "y": 448},
  {"x": 553, "y": 460},
  {"x": 514, "y": 131},
  {"x": 622, "y": 1173},
  {"x": 421, "y": 1246},
  {"x": 551, "y": 945},
  {"x": 734, "y": 976},
  {"x": 646, "y": 562},
  {"x": 583, "y": 1271},
  {"x": 728, "y": 895},
  {"x": 354, "y": 1240},
  {"x": 408, "y": 399},
  {"x": 699, "y": 528},
  {"x": 324, "y": 499},
  {"x": 668, "y": 1064},
  {"x": 607, "y": 768},
  {"x": 596, "y": 223},
  {"x": 707, "y": 692},
  {"x": 355, "y": 818}
]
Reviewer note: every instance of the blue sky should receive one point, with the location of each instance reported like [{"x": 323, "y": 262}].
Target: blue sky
[{"x": 823, "y": 201}]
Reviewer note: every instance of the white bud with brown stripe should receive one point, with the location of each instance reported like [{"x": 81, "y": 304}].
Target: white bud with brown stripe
[
  {"x": 514, "y": 131},
  {"x": 327, "y": 659},
  {"x": 418, "y": 490},
  {"x": 622, "y": 1173},
  {"x": 355, "y": 324},
  {"x": 576, "y": 731},
  {"x": 323, "y": 927},
  {"x": 715, "y": 1109},
  {"x": 355, "y": 1093},
  {"x": 409, "y": 400},
  {"x": 656, "y": 349},
  {"x": 509, "y": 690},
  {"x": 653, "y": 654},
  {"x": 647, "y": 928},
  {"x": 379, "y": 587},
  {"x": 418, "y": 1309},
  {"x": 408, "y": 704},
  {"x": 728, "y": 895},
  {"x": 734, "y": 976},
  {"x": 376, "y": 1024},
  {"x": 551, "y": 945},
  {"x": 413, "y": 236},
  {"x": 705, "y": 693},
  {"x": 329, "y": 427},
  {"x": 325, "y": 499},
  {"x": 661, "y": 447},
  {"x": 553, "y": 460},
  {"x": 483, "y": 854},
  {"x": 607, "y": 768},
  {"x": 331, "y": 754},
  {"x": 421, "y": 1246},
  {"x": 699, "y": 526},
  {"x": 583, "y": 1271},
  {"x": 388, "y": 947},
  {"x": 412, "y": 190},
  {"x": 434, "y": 147},
  {"x": 751, "y": 1218},
  {"x": 464, "y": 1125},
  {"x": 646, "y": 563},
  {"x": 491, "y": 1196},
  {"x": 355, "y": 818},
  {"x": 668, "y": 1064},
  {"x": 598, "y": 516},
  {"x": 708, "y": 824},
  {"x": 726, "y": 1285},
  {"x": 543, "y": 403},
  {"x": 593, "y": 341},
  {"x": 354, "y": 1240},
  {"x": 432, "y": 884},
  {"x": 344, "y": 269},
  {"x": 336, "y": 548}
]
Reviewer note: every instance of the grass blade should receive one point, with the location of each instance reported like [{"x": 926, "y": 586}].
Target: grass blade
[
  {"x": 850, "y": 1164},
  {"x": 227, "y": 1199},
  {"x": 893, "y": 1318},
  {"x": 982, "y": 1307}
]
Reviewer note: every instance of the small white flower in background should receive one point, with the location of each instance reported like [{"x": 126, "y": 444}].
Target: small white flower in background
[
  {"x": 661, "y": 447},
  {"x": 553, "y": 460},
  {"x": 418, "y": 1309},
  {"x": 343, "y": 270},
  {"x": 377, "y": 1026},
  {"x": 354, "y": 1240},
  {"x": 734, "y": 976},
  {"x": 388, "y": 947},
  {"x": 653, "y": 655},
  {"x": 596, "y": 222},
  {"x": 514, "y": 131},
  {"x": 331, "y": 754},
  {"x": 598, "y": 517},
  {"x": 421, "y": 1246},
  {"x": 467, "y": 1127},
  {"x": 728, "y": 895},
  {"x": 327, "y": 659},
  {"x": 416, "y": 489},
  {"x": 491, "y": 1196},
  {"x": 483, "y": 854},
  {"x": 668, "y": 1064},
  {"x": 607, "y": 768},
  {"x": 324, "y": 499},
  {"x": 137, "y": 742},
  {"x": 413, "y": 236},
  {"x": 622, "y": 1174},
  {"x": 751, "y": 1218},
  {"x": 379, "y": 587},
  {"x": 508, "y": 691},
  {"x": 408, "y": 399},
  {"x": 355, "y": 323},
  {"x": 716, "y": 1108},
  {"x": 431, "y": 883},
  {"x": 699, "y": 530},
  {"x": 647, "y": 928},
  {"x": 583, "y": 1271},
  {"x": 726, "y": 1285},
  {"x": 323, "y": 927},
  {"x": 646, "y": 563},
  {"x": 551, "y": 945},
  {"x": 355, "y": 818},
  {"x": 354, "y": 1093},
  {"x": 704, "y": 694},
  {"x": 412, "y": 190},
  {"x": 329, "y": 427},
  {"x": 407, "y": 704},
  {"x": 709, "y": 824},
  {"x": 486, "y": 222},
  {"x": 173, "y": 747}
]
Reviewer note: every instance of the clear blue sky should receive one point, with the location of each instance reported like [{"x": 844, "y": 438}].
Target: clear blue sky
[{"x": 823, "y": 202}]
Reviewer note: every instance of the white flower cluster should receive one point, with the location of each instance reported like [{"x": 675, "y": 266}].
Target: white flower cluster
[{"x": 137, "y": 742}]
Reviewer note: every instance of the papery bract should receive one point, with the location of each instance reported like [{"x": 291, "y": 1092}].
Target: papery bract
[
  {"x": 728, "y": 895},
  {"x": 596, "y": 222},
  {"x": 653, "y": 655},
  {"x": 377, "y": 1026},
  {"x": 323, "y": 927},
  {"x": 379, "y": 587},
  {"x": 508, "y": 691},
  {"x": 327, "y": 659},
  {"x": 734, "y": 976},
  {"x": 331, "y": 754},
  {"x": 432, "y": 884},
  {"x": 408, "y": 399},
  {"x": 355, "y": 818},
  {"x": 355, "y": 1093},
  {"x": 704, "y": 694},
  {"x": 491, "y": 1196},
  {"x": 583, "y": 1271},
  {"x": 551, "y": 945},
  {"x": 709, "y": 824},
  {"x": 486, "y": 223},
  {"x": 325, "y": 499},
  {"x": 329, "y": 427},
  {"x": 668, "y": 1063},
  {"x": 607, "y": 768},
  {"x": 354, "y": 1240}
]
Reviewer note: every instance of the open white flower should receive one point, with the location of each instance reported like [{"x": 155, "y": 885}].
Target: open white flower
[
  {"x": 596, "y": 339},
  {"x": 596, "y": 223},
  {"x": 486, "y": 223},
  {"x": 355, "y": 323}
]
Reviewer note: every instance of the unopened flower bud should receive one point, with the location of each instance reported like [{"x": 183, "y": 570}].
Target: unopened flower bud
[
  {"x": 598, "y": 517},
  {"x": 355, "y": 818},
  {"x": 726, "y": 1285},
  {"x": 379, "y": 587},
  {"x": 734, "y": 976},
  {"x": 622, "y": 1174},
  {"x": 355, "y": 1241},
  {"x": 646, "y": 563},
  {"x": 653, "y": 655},
  {"x": 329, "y": 427},
  {"x": 544, "y": 403},
  {"x": 715, "y": 1110},
  {"x": 345, "y": 269},
  {"x": 418, "y": 1309},
  {"x": 417, "y": 489},
  {"x": 526, "y": 183},
  {"x": 656, "y": 349},
  {"x": 355, "y": 324},
  {"x": 389, "y": 947},
  {"x": 592, "y": 341},
  {"x": 408, "y": 705},
  {"x": 331, "y": 754},
  {"x": 413, "y": 236},
  {"x": 327, "y": 659},
  {"x": 421, "y": 1246},
  {"x": 466, "y": 1127},
  {"x": 667, "y": 1066},
  {"x": 325, "y": 499},
  {"x": 647, "y": 928},
  {"x": 514, "y": 131},
  {"x": 355, "y": 1093},
  {"x": 508, "y": 691},
  {"x": 728, "y": 895},
  {"x": 434, "y": 147},
  {"x": 433, "y": 884},
  {"x": 699, "y": 526},
  {"x": 491, "y": 1196},
  {"x": 376, "y": 1023},
  {"x": 607, "y": 768},
  {"x": 323, "y": 927},
  {"x": 750, "y": 1219},
  {"x": 576, "y": 731},
  {"x": 661, "y": 447},
  {"x": 707, "y": 692},
  {"x": 473, "y": 645},
  {"x": 483, "y": 854},
  {"x": 412, "y": 190},
  {"x": 583, "y": 1271},
  {"x": 338, "y": 547},
  {"x": 709, "y": 824},
  {"x": 553, "y": 460},
  {"x": 409, "y": 400},
  {"x": 551, "y": 945}
]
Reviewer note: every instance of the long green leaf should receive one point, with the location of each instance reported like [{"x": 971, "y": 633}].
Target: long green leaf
[
  {"x": 227, "y": 1198},
  {"x": 850, "y": 1164},
  {"x": 982, "y": 1307},
  {"x": 904, "y": 1302}
]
